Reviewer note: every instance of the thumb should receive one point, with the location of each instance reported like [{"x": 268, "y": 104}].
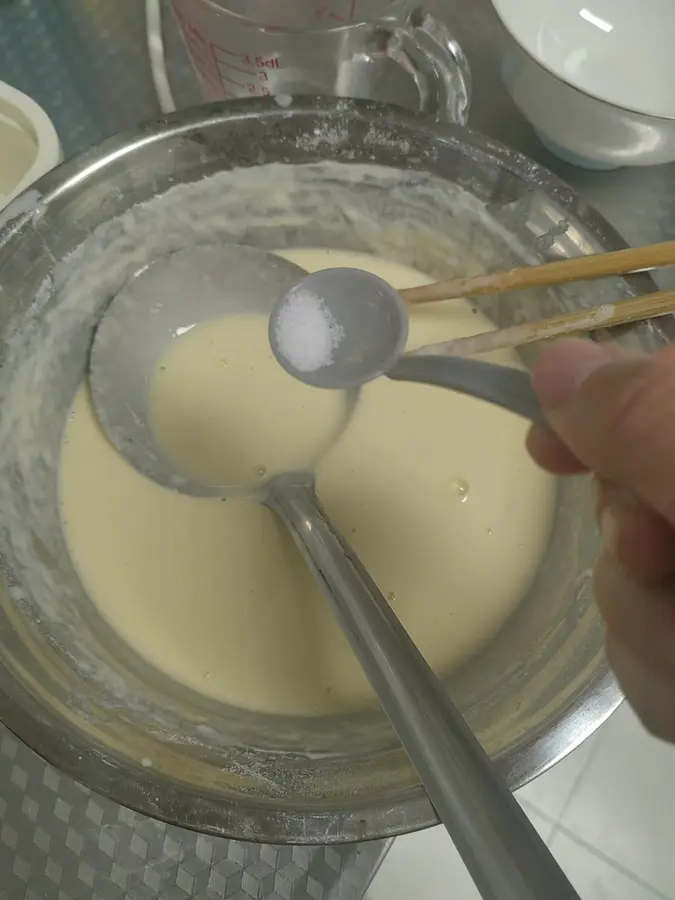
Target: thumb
[{"x": 616, "y": 414}]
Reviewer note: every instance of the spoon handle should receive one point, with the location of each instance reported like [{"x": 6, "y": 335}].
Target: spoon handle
[
  {"x": 500, "y": 848},
  {"x": 501, "y": 385}
]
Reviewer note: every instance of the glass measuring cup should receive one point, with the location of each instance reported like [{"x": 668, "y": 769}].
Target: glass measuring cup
[{"x": 383, "y": 50}]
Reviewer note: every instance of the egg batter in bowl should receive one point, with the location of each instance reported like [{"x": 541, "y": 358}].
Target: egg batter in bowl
[{"x": 434, "y": 490}]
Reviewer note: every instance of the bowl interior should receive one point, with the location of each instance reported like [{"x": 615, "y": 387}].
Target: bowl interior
[
  {"x": 617, "y": 52},
  {"x": 444, "y": 202}
]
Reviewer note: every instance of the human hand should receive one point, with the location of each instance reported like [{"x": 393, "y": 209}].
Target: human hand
[{"x": 613, "y": 414}]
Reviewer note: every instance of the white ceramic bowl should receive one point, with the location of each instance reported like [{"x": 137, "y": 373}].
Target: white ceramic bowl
[
  {"x": 596, "y": 78},
  {"x": 19, "y": 110}
]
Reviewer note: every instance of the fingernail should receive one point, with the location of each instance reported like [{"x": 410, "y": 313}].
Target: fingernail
[
  {"x": 563, "y": 368},
  {"x": 609, "y": 529}
]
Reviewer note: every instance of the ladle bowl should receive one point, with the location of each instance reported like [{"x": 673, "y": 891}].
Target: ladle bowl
[{"x": 318, "y": 173}]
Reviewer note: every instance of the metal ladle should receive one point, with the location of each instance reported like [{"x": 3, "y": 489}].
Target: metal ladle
[{"x": 500, "y": 848}]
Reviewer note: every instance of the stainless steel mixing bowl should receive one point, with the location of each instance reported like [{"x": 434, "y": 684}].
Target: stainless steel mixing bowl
[{"x": 316, "y": 173}]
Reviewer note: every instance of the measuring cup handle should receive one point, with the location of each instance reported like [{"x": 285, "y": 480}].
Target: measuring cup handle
[{"x": 426, "y": 49}]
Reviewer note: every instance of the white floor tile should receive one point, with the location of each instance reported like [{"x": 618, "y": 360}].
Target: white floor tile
[
  {"x": 595, "y": 878},
  {"x": 550, "y": 793},
  {"x": 542, "y": 823},
  {"x": 624, "y": 802},
  {"x": 426, "y": 866}
]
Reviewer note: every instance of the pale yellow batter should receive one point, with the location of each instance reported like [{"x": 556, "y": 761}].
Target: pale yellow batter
[
  {"x": 435, "y": 491},
  {"x": 227, "y": 413}
]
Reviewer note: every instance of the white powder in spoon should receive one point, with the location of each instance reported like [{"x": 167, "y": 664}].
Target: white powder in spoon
[{"x": 306, "y": 332}]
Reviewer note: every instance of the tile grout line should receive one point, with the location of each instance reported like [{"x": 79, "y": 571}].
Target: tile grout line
[
  {"x": 612, "y": 863},
  {"x": 533, "y": 808},
  {"x": 558, "y": 826}
]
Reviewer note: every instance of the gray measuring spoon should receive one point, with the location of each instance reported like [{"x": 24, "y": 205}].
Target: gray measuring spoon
[
  {"x": 341, "y": 328},
  {"x": 501, "y": 849}
]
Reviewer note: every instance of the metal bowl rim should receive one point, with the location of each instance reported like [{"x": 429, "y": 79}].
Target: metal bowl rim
[{"x": 147, "y": 791}]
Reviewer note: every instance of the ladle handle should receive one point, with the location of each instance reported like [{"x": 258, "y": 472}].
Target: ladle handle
[
  {"x": 501, "y": 850},
  {"x": 501, "y": 385}
]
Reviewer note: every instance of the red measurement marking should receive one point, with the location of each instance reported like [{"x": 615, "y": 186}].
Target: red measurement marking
[
  {"x": 245, "y": 59},
  {"x": 198, "y": 50},
  {"x": 262, "y": 62},
  {"x": 199, "y": 58},
  {"x": 211, "y": 92},
  {"x": 224, "y": 50},
  {"x": 254, "y": 76},
  {"x": 193, "y": 44},
  {"x": 325, "y": 12},
  {"x": 189, "y": 28},
  {"x": 203, "y": 69},
  {"x": 254, "y": 69}
]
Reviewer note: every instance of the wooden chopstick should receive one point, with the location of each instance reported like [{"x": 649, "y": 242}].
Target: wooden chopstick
[
  {"x": 579, "y": 322},
  {"x": 583, "y": 268}
]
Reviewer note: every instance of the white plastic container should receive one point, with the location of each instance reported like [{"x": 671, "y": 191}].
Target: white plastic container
[{"x": 29, "y": 145}]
